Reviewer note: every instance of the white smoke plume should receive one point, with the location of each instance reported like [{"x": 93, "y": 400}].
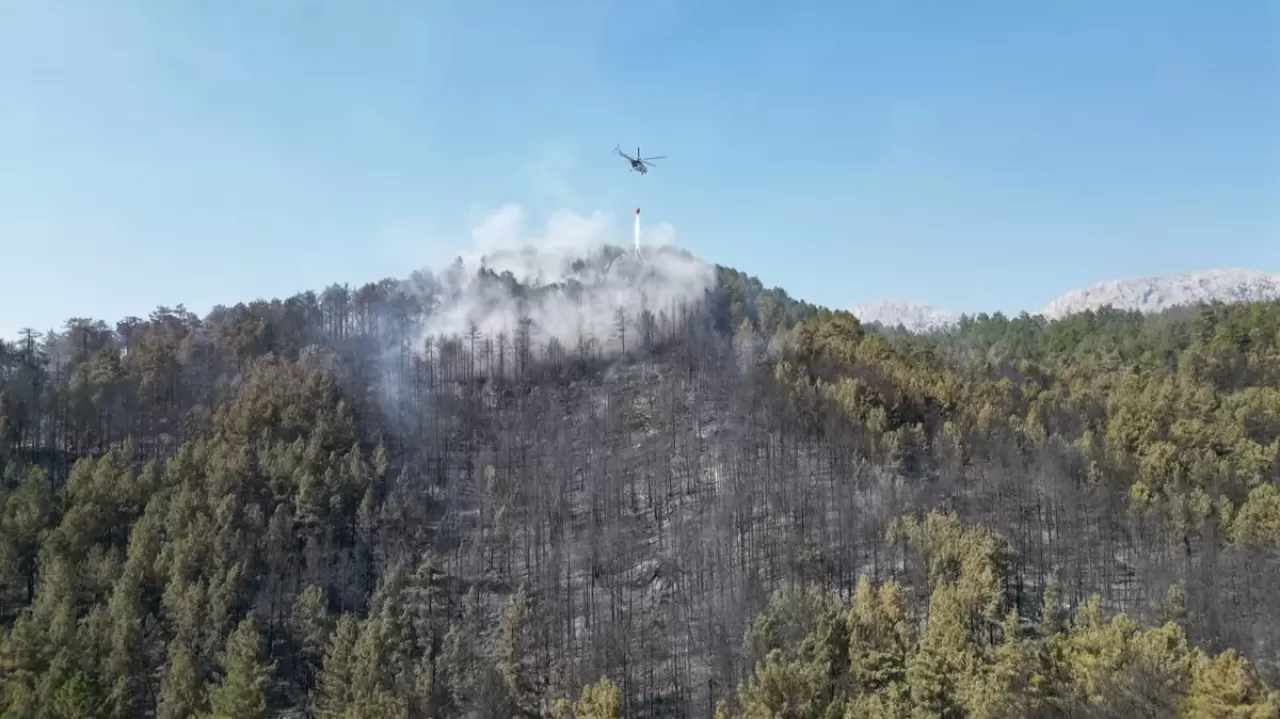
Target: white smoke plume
[{"x": 569, "y": 278}]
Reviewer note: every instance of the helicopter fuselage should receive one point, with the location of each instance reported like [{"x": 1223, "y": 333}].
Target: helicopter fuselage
[{"x": 639, "y": 167}]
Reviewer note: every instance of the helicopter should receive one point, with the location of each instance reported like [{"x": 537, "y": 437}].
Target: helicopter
[{"x": 638, "y": 163}]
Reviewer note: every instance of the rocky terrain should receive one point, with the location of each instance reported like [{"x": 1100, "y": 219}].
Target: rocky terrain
[
  {"x": 910, "y": 316},
  {"x": 1146, "y": 294}
]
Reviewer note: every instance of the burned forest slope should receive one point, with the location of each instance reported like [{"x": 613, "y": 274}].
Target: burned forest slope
[{"x": 596, "y": 486}]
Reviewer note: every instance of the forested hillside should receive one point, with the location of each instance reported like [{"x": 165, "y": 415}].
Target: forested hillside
[{"x": 733, "y": 504}]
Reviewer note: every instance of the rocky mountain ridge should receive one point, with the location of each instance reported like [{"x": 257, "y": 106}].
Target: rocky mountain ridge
[
  {"x": 913, "y": 316},
  {"x": 1146, "y": 294}
]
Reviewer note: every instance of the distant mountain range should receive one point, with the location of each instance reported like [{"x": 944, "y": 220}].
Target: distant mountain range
[
  {"x": 1146, "y": 294},
  {"x": 913, "y": 316}
]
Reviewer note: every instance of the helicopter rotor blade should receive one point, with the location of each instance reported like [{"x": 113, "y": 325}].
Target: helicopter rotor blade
[{"x": 659, "y": 157}]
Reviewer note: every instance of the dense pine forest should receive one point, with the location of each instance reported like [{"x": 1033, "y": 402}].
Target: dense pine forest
[{"x": 716, "y": 503}]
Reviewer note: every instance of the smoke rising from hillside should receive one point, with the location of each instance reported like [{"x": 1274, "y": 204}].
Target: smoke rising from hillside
[{"x": 569, "y": 278}]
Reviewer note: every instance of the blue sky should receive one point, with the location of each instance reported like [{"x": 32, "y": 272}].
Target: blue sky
[{"x": 980, "y": 155}]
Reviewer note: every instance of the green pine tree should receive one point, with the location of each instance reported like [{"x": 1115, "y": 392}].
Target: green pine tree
[
  {"x": 336, "y": 688},
  {"x": 311, "y": 628},
  {"x": 246, "y": 674},
  {"x": 181, "y": 690},
  {"x": 519, "y": 657},
  {"x": 80, "y": 697},
  {"x": 601, "y": 700}
]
